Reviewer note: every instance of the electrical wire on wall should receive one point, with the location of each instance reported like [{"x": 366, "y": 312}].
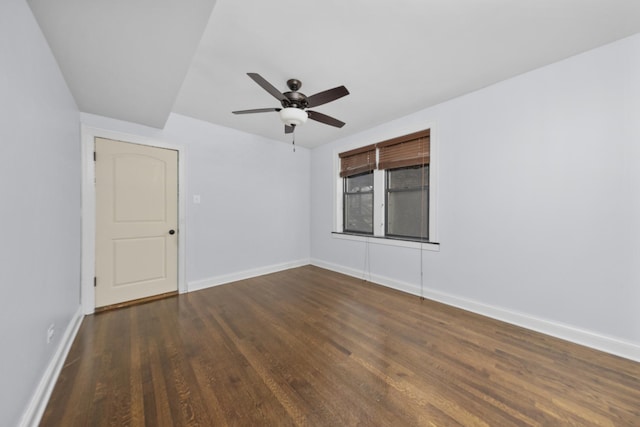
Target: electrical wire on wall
[
  {"x": 366, "y": 271},
  {"x": 422, "y": 218}
]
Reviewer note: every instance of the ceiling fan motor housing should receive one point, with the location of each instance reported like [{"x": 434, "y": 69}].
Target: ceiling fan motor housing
[{"x": 295, "y": 99}]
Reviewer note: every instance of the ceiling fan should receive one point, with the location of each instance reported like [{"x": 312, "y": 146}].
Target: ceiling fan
[{"x": 294, "y": 104}]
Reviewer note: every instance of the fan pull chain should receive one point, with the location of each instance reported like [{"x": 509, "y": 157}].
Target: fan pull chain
[{"x": 294, "y": 141}]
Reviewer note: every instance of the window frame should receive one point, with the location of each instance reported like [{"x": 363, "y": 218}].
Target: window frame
[
  {"x": 380, "y": 203},
  {"x": 387, "y": 190},
  {"x": 346, "y": 193}
]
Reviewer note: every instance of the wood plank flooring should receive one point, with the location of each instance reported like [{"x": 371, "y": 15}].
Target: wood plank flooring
[{"x": 311, "y": 347}]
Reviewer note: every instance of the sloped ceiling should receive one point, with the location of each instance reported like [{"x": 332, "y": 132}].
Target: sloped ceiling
[
  {"x": 139, "y": 60},
  {"x": 124, "y": 59}
]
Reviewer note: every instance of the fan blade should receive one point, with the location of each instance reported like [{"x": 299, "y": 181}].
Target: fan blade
[
  {"x": 267, "y": 86},
  {"x": 323, "y": 118},
  {"x": 327, "y": 96},
  {"x": 257, "y": 110},
  {"x": 288, "y": 129}
]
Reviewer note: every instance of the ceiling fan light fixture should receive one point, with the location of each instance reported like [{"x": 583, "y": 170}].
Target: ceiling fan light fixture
[{"x": 293, "y": 116}]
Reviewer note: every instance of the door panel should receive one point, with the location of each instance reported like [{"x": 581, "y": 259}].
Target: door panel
[
  {"x": 130, "y": 268},
  {"x": 139, "y": 190},
  {"x": 136, "y": 207}
]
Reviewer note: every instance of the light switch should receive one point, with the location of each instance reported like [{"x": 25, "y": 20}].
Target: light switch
[{"x": 196, "y": 199}]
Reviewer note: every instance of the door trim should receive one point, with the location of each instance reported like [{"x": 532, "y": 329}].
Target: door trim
[{"x": 88, "y": 254}]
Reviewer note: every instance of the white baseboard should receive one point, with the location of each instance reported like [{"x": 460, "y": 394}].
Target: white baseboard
[
  {"x": 197, "y": 285},
  {"x": 40, "y": 398},
  {"x": 570, "y": 333}
]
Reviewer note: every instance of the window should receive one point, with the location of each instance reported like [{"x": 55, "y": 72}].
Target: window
[
  {"x": 406, "y": 162},
  {"x": 385, "y": 188},
  {"x": 356, "y": 171},
  {"x": 358, "y": 203},
  {"x": 407, "y": 202}
]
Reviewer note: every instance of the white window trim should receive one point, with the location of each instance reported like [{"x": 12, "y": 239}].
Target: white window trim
[
  {"x": 388, "y": 241},
  {"x": 379, "y": 199}
]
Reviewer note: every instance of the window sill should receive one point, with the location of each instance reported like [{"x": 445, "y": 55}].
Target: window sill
[{"x": 388, "y": 241}]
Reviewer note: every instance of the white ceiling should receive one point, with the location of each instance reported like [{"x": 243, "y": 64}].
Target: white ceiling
[{"x": 139, "y": 60}]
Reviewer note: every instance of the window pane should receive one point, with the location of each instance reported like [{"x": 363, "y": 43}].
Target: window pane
[
  {"x": 411, "y": 177},
  {"x": 407, "y": 207},
  {"x": 405, "y": 217},
  {"x": 359, "y": 183},
  {"x": 358, "y": 212}
]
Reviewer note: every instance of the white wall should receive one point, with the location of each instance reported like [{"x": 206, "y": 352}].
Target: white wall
[
  {"x": 254, "y": 211},
  {"x": 40, "y": 191},
  {"x": 539, "y": 201}
]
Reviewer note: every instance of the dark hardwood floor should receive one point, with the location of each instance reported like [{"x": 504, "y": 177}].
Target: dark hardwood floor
[{"x": 311, "y": 347}]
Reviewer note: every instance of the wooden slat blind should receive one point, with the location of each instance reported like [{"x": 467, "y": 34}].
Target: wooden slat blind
[
  {"x": 357, "y": 161},
  {"x": 408, "y": 150}
]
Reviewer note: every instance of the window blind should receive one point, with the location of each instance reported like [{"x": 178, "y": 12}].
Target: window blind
[
  {"x": 357, "y": 161},
  {"x": 408, "y": 150}
]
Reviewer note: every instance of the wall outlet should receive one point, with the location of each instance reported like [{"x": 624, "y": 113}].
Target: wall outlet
[{"x": 50, "y": 332}]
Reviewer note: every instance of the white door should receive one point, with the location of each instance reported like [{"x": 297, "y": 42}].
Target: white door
[{"x": 136, "y": 221}]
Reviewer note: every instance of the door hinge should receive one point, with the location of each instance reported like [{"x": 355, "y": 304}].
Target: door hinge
[
  {"x": 95, "y": 282},
  {"x": 94, "y": 156}
]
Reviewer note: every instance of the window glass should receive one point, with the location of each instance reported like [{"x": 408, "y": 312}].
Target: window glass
[
  {"x": 407, "y": 177},
  {"x": 358, "y": 203},
  {"x": 359, "y": 183},
  {"x": 407, "y": 205}
]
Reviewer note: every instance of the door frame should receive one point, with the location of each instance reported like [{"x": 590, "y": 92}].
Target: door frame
[{"x": 88, "y": 208}]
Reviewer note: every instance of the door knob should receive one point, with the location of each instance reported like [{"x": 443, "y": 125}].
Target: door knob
[{"x": 172, "y": 231}]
